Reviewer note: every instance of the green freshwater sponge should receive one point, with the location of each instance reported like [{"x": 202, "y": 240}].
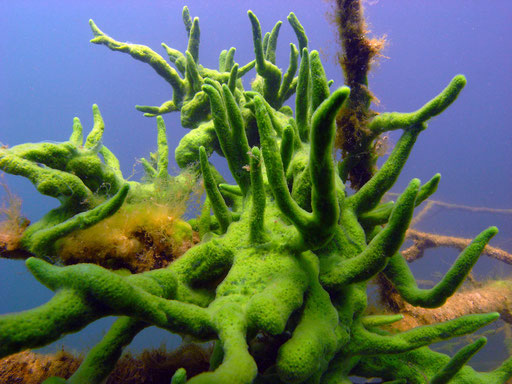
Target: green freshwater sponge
[{"x": 279, "y": 278}]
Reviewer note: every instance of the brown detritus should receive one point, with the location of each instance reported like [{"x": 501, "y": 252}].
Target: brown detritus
[
  {"x": 358, "y": 51},
  {"x": 15, "y": 254},
  {"x": 150, "y": 367},
  {"x": 12, "y": 225},
  {"x": 423, "y": 241},
  {"x": 494, "y": 296},
  {"x": 32, "y": 368},
  {"x": 140, "y": 237},
  {"x": 158, "y": 366}
]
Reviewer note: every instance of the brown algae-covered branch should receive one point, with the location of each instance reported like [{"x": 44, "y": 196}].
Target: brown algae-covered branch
[
  {"x": 358, "y": 51},
  {"x": 493, "y": 296}
]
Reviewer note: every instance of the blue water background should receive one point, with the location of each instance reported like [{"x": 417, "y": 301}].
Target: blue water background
[{"x": 50, "y": 73}]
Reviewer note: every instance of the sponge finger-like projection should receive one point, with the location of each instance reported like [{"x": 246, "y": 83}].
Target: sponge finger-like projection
[
  {"x": 275, "y": 87},
  {"x": 238, "y": 367},
  {"x": 365, "y": 342},
  {"x": 418, "y": 365},
  {"x": 457, "y": 362},
  {"x": 102, "y": 358},
  {"x": 397, "y": 120},
  {"x": 72, "y": 172},
  {"x": 314, "y": 341},
  {"x": 400, "y": 274},
  {"x": 86, "y": 292},
  {"x": 316, "y": 227},
  {"x": 375, "y": 256}
]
